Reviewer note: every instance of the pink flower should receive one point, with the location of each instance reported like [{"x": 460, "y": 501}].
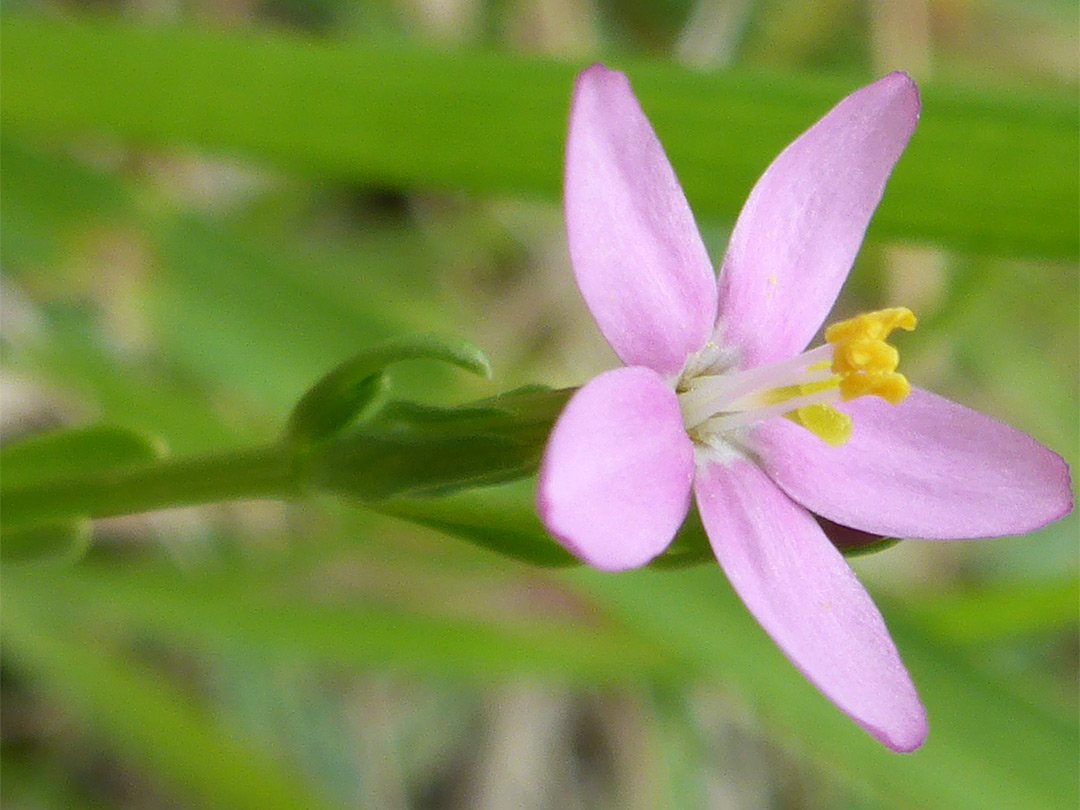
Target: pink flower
[{"x": 719, "y": 397}]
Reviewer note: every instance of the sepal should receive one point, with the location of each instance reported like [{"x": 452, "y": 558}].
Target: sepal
[
  {"x": 500, "y": 519},
  {"x": 358, "y": 388},
  {"x": 412, "y": 450}
]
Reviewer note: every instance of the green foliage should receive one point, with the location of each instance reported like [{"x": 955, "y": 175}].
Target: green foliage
[
  {"x": 355, "y": 387},
  {"x": 503, "y": 520},
  {"x": 48, "y": 456},
  {"x": 995, "y": 174}
]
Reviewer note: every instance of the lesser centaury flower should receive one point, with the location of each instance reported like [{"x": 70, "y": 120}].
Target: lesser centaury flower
[{"x": 719, "y": 395}]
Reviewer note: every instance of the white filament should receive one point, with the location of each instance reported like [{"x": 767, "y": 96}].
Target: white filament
[{"x": 732, "y": 399}]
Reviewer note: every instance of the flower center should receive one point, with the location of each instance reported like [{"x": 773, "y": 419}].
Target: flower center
[{"x": 854, "y": 361}]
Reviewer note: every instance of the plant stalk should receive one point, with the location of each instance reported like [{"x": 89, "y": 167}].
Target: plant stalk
[{"x": 263, "y": 472}]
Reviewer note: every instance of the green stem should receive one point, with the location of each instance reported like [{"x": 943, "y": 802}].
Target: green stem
[
  {"x": 407, "y": 449},
  {"x": 262, "y": 472}
]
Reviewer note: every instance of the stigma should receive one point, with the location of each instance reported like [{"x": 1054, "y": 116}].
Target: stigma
[{"x": 854, "y": 361}]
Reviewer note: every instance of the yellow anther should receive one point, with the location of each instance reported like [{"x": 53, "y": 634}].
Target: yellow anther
[
  {"x": 871, "y": 356},
  {"x": 830, "y": 425},
  {"x": 871, "y": 325},
  {"x": 856, "y": 362},
  {"x": 891, "y": 387},
  {"x": 865, "y": 363}
]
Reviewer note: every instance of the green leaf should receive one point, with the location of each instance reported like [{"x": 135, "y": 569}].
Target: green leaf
[
  {"x": 411, "y": 450},
  {"x": 501, "y": 519},
  {"x": 994, "y": 173},
  {"x": 334, "y": 403},
  {"x": 145, "y": 720},
  {"x": 357, "y": 385},
  {"x": 504, "y": 519},
  {"x": 48, "y": 456}
]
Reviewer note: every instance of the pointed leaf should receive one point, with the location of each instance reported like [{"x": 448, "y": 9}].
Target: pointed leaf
[
  {"x": 53, "y": 455},
  {"x": 501, "y": 519},
  {"x": 357, "y": 385},
  {"x": 413, "y": 117}
]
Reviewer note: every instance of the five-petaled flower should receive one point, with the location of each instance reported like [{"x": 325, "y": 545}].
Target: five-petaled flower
[{"x": 719, "y": 396}]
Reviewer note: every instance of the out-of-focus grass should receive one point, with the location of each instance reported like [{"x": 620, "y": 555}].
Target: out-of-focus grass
[{"x": 318, "y": 653}]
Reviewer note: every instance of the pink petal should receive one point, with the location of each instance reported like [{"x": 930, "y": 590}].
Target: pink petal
[
  {"x": 614, "y": 484},
  {"x": 797, "y": 585},
  {"x": 637, "y": 255},
  {"x": 926, "y": 468},
  {"x": 797, "y": 236}
]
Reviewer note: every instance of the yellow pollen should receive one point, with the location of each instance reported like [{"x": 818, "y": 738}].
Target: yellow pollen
[
  {"x": 827, "y": 423},
  {"x": 863, "y": 361}
]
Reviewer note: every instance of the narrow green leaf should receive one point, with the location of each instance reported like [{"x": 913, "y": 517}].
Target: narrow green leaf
[
  {"x": 501, "y": 519},
  {"x": 504, "y": 519},
  {"x": 992, "y": 173},
  {"x": 49, "y": 456},
  {"x": 334, "y": 403},
  {"x": 340, "y": 397}
]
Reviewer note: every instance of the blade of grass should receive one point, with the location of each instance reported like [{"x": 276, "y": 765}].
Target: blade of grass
[{"x": 988, "y": 172}]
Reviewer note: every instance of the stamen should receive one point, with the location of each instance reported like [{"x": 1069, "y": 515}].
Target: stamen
[
  {"x": 855, "y": 361},
  {"x": 736, "y": 419},
  {"x": 713, "y": 393},
  {"x": 827, "y": 423},
  {"x": 865, "y": 363},
  {"x": 890, "y": 387},
  {"x": 876, "y": 325}
]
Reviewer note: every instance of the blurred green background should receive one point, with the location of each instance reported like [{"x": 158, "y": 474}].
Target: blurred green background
[{"x": 206, "y": 205}]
